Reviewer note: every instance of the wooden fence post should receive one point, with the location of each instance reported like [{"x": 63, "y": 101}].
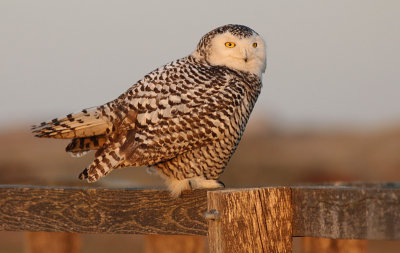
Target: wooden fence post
[
  {"x": 237, "y": 220},
  {"x": 250, "y": 220},
  {"x": 175, "y": 244},
  {"x": 318, "y": 245},
  {"x": 51, "y": 242}
]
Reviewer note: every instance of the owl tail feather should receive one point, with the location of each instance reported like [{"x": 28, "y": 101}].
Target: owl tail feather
[{"x": 88, "y": 122}]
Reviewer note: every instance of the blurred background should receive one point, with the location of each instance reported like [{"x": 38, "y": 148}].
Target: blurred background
[{"x": 329, "y": 109}]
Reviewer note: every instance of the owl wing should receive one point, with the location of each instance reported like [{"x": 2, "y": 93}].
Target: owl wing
[{"x": 176, "y": 110}]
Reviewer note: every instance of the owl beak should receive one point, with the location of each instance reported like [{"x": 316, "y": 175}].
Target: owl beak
[{"x": 245, "y": 55}]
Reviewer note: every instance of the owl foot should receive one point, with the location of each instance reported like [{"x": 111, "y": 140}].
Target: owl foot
[
  {"x": 202, "y": 183},
  {"x": 176, "y": 187}
]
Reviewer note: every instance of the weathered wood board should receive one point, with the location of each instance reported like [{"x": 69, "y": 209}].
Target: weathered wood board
[
  {"x": 98, "y": 210},
  {"x": 361, "y": 211},
  {"x": 352, "y": 211}
]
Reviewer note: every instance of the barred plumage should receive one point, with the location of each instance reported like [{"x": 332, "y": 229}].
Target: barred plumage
[{"x": 184, "y": 119}]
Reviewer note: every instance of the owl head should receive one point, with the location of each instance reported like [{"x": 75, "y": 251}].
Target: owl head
[{"x": 234, "y": 46}]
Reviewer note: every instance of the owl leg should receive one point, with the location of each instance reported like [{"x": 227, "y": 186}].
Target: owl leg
[
  {"x": 176, "y": 187},
  {"x": 202, "y": 183}
]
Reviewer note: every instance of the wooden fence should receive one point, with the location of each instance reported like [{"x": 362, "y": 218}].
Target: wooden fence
[{"x": 234, "y": 220}]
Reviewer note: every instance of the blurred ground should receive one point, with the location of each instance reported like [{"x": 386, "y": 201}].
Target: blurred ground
[{"x": 265, "y": 156}]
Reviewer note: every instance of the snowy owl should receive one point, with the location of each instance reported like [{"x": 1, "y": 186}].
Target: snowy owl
[{"x": 184, "y": 119}]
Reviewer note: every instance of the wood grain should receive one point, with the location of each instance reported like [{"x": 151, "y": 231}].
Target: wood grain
[
  {"x": 251, "y": 220},
  {"x": 363, "y": 211},
  {"x": 97, "y": 210}
]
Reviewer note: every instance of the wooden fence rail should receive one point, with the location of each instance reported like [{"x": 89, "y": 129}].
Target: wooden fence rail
[{"x": 236, "y": 220}]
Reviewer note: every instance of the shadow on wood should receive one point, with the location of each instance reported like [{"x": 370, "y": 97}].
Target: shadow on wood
[
  {"x": 175, "y": 244},
  {"x": 325, "y": 245},
  {"x": 51, "y": 242}
]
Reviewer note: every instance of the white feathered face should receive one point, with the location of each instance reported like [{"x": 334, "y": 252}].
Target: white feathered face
[{"x": 246, "y": 54}]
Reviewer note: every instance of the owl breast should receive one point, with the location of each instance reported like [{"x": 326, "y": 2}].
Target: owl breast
[{"x": 216, "y": 108}]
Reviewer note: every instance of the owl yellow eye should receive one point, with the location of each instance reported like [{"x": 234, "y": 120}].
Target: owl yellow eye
[
  {"x": 254, "y": 45},
  {"x": 230, "y": 44}
]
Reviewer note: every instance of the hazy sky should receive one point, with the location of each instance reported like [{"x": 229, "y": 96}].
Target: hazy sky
[{"x": 329, "y": 62}]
